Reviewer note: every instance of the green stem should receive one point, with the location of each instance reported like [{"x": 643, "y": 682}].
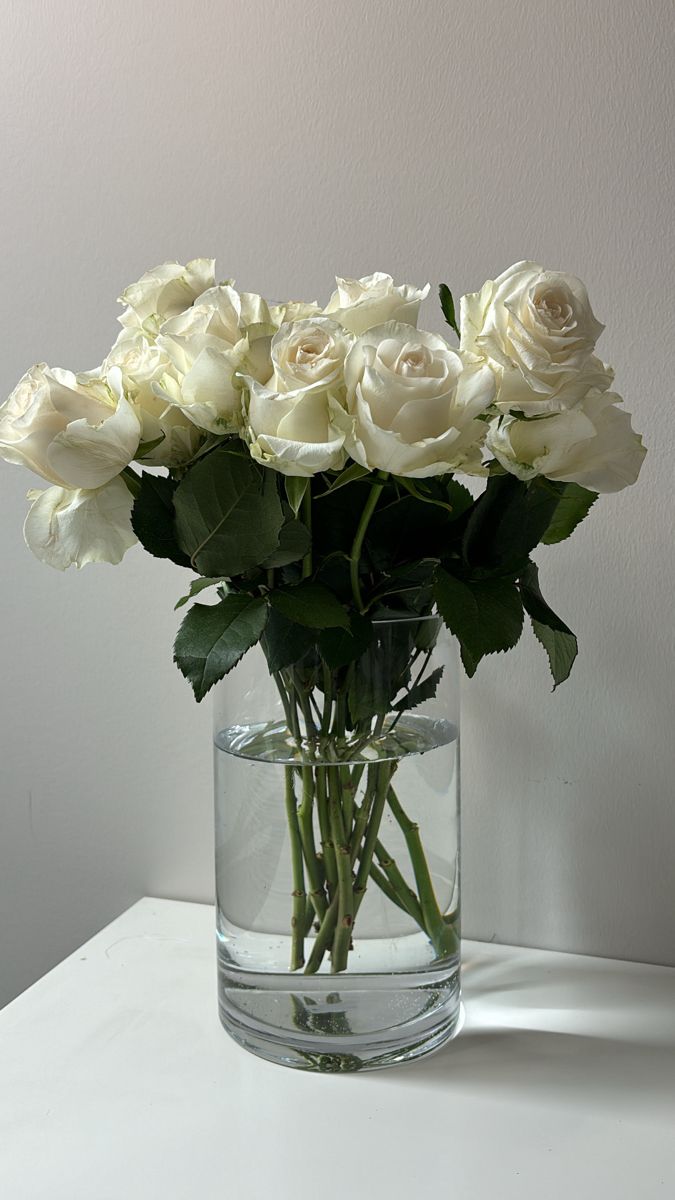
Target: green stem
[
  {"x": 132, "y": 480},
  {"x": 357, "y": 545},
  {"x": 327, "y": 847},
  {"x": 348, "y": 797},
  {"x": 441, "y": 935},
  {"x": 306, "y": 825},
  {"x": 384, "y": 885},
  {"x": 310, "y": 916},
  {"x": 323, "y": 937},
  {"x": 383, "y": 776},
  {"x": 327, "y": 702},
  {"x": 363, "y": 812},
  {"x": 406, "y": 898},
  {"x": 299, "y": 897},
  {"x": 287, "y": 709},
  {"x": 345, "y": 893}
]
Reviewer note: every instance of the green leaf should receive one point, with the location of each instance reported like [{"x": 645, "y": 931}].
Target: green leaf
[
  {"x": 285, "y": 642},
  {"x": 228, "y": 514},
  {"x": 339, "y": 647},
  {"x": 561, "y": 649},
  {"x": 197, "y": 586},
  {"x": 486, "y": 616},
  {"x": 294, "y": 542},
  {"x": 152, "y": 518},
  {"x": 213, "y": 638},
  {"x": 555, "y": 636},
  {"x": 351, "y": 473},
  {"x": 310, "y": 604},
  {"x": 416, "y": 491},
  {"x": 573, "y": 505},
  {"x": 506, "y": 523},
  {"x": 448, "y": 306},
  {"x": 372, "y": 689},
  {"x": 459, "y": 496},
  {"x": 146, "y": 447},
  {"x": 296, "y": 486},
  {"x": 425, "y": 690},
  {"x": 382, "y": 671},
  {"x": 443, "y": 491},
  {"x": 534, "y": 602}
]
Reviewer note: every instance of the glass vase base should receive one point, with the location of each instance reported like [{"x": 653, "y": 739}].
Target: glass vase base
[{"x": 341, "y": 1023}]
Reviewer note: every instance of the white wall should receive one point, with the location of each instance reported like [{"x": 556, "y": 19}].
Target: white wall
[{"x": 294, "y": 140}]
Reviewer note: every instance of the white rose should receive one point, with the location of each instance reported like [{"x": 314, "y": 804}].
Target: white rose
[
  {"x": 593, "y": 445},
  {"x": 67, "y": 527},
  {"x": 308, "y": 352},
  {"x": 145, "y": 366},
  {"x": 164, "y": 292},
  {"x": 359, "y": 304},
  {"x": 297, "y": 432},
  {"x": 414, "y": 403},
  {"x": 293, "y": 310},
  {"x": 537, "y": 330},
  {"x": 75, "y": 431},
  {"x": 225, "y": 334}
]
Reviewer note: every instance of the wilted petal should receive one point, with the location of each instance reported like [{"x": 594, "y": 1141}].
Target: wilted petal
[{"x": 66, "y": 527}]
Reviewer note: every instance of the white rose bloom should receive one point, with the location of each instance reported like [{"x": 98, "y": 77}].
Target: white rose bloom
[
  {"x": 297, "y": 432},
  {"x": 308, "y": 352},
  {"x": 360, "y": 304},
  {"x": 75, "y": 431},
  {"x": 537, "y": 330},
  {"x": 293, "y": 310},
  {"x": 414, "y": 403},
  {"x": 144, "y": 366},
  {"x": 68, "y": 526},
  {"x": 593, "y": 445},
  {"x": 164, "y": 292},
  {"x": 224, "y": 335}
]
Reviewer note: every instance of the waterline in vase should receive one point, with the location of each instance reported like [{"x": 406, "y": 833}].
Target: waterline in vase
[{"x": 269, "y": 741}]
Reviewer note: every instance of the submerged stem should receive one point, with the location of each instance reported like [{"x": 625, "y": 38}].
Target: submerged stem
[
  {"x": 442, "y": 936},
  {"x": 383, "y": 772},
  {"x": 327, "y": 846},
  {"x": 298, "y": 917},
  {"x": 312, "y": 862},
  {"x": 345, "y": 893},
  {"x": 323, "y": 937}
]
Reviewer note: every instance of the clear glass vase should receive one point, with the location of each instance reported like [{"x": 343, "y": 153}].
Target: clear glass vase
[{"x": 337, "y": 851}]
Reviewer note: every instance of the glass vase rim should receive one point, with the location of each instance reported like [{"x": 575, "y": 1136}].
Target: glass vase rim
[{"x": 406, "y": 619}]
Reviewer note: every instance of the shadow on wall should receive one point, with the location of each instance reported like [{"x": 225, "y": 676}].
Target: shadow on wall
[{"x": 561, "y": 833}]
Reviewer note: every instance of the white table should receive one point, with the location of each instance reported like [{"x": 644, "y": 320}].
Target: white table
[{"x": 118, "y": 1083}]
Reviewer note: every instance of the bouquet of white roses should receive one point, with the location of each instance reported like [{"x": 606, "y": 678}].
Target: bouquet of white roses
[{"x": 306, "y": 463}]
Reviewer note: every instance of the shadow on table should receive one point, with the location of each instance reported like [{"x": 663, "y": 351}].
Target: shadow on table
[
  {"x": 558, "y": 1065},
  {"x": 558, "y": 1030},
  {"x": 570, "y": 982}
]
